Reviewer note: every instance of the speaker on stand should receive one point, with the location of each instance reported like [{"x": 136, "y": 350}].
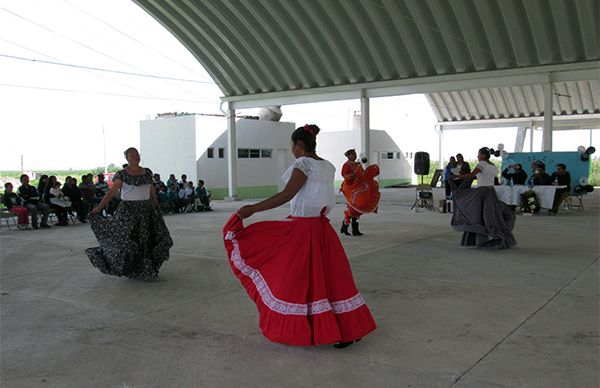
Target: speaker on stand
[{"x": 421, "y": 167}]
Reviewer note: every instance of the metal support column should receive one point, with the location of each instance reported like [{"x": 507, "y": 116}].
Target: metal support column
[
  {"x": 440, "y": 133},
  {"x": 365, "y": 129},
  {"x": 548, "y": 114},
  {"x": 231, "y": 154}
]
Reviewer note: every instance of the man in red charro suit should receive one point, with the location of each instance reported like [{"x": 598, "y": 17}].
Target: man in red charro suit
[{"x": 360, "y": 190}]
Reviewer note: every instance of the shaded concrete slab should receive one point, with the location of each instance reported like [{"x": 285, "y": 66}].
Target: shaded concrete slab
[{"x": 447, "y": 315}]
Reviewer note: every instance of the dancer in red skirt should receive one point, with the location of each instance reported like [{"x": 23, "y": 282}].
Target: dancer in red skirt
[
  {"x": 361, "y": 191},
  {"x": 296, "y": 270}
]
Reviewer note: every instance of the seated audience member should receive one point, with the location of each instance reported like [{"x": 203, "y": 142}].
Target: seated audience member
[
  {"x": 518, "y": 176},
  {"x": 88, "y": 191},
  {"x": 42, "y": 186},
  {"x": 157, "y": 182},
  {"x": 32, "y": 201},
  {"x": 54, "y": 197},
  {"x": 183, "y": 181},
  {"x": 77, "y": 203},
  {"x": 164, "y": 200},
  {"x": 186, "y": 195},
  {"x": 174, "y": 198},
  {"x": 101, "y": 188},
  {"x": 561, "y": 177},
  {"x": 171, "y": 180},
  {"x": 66, "y": 184},
  {"x": 461, "y": 168},
  {"x": 203, "y": 196},
  {"x": 540, "y": 177},
  {"x": 15, "y": 205},
  {"x": 485, "y": 171},
  {"x": 447, "y": 174}
]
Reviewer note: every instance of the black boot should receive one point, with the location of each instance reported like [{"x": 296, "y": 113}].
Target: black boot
[
  {"x": 355, "y": 231},
  {"x": 344, "y": 229}
]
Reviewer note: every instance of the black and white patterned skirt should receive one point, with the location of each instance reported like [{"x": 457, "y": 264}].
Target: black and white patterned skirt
[{"x": 134, "y": 243}]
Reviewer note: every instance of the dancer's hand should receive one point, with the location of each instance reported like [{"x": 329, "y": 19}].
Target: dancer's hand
[
  {"x": 96, "y": 211},
  {"x": 245, "y": 211}
]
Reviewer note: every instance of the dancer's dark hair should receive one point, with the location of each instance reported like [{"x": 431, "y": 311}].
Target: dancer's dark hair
[
  {"x": 308, "y": 135},
  {"x": 485, "y": 152}
]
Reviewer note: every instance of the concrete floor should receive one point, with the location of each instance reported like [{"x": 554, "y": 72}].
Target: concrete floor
[{"x": 448, "y": 316}]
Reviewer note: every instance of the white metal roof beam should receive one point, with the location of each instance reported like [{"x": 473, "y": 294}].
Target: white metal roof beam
[
  {"x": 585, "y": 121},
  {"x": 582, "y": 71}
]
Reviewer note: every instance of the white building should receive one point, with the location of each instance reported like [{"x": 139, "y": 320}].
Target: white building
[{"x": 196, "y": 145}]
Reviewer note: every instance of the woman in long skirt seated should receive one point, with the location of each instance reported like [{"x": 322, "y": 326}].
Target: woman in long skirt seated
[
  {"x": 136, "y": 241},
  {"x": 296, "y": 270}
]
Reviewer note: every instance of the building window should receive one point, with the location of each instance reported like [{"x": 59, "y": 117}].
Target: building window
[
  {"x": 387, "y": 155},
  {"x": 221, "y": 153},
  {"x": 398, "y": 155},
  {"x": 210, "y": 153},
  {"x": 254, "y": 153}
]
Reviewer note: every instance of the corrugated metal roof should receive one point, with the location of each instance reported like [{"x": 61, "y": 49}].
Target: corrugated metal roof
[
  {"x": 570, "y": 98},
  {"x": 258, "y": 46}
]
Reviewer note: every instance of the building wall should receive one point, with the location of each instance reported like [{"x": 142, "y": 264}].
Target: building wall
[
  {"x": 168, "y": 145},
  {"x": 256, "y": 177},
  {"x": 179, "y": 145},
  {"x": 332, "y": 145}
]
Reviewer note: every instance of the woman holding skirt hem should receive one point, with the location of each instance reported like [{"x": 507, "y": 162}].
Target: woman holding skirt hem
[
  {"x": 135, "y": 241},
  {"x": 296, "y": 270}
]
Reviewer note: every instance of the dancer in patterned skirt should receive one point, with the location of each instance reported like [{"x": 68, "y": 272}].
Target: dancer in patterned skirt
[
  {"x": 296, "y": 270},
  {"x": 136, "y": 241}
]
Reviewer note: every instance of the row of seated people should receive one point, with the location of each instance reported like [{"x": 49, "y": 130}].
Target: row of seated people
[
  {"x": 50, "y": 196},
  {"x": 515, "y": 175},
  {"x": 180, "y": 196}
]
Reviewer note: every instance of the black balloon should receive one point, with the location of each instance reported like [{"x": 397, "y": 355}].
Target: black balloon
[
  {"x": 588, "y": 188},
  {"x": 585, "y": 157},
  {"x": 578, "y": 189},
  {"x": 590, "y": 150}
]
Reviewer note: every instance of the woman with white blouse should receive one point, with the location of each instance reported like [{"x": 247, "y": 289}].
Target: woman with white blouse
[
  {"x": 135, "y": 241},
  {"x": 296, "y": 270},
  {"x": 485, "y": 171}
]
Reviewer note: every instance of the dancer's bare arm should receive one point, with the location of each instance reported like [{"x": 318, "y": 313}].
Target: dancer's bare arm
[
  {"x": 294, "y": 185},
  {"x": 117, "y": 183}
]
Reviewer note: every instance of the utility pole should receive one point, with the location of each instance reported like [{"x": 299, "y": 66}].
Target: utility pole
[{"x": 22, "y": 163}]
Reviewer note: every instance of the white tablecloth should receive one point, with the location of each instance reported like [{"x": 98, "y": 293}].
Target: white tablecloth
[{"x": 512, "y": 195}]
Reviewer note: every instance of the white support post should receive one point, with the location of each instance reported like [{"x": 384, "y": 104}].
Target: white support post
[
  {"x": 365, "y": 128},
  {"x": 440, "y": 132},
  {"x": 531, "y": 130},
  {"x": 548, "y": 114},
  {"x": 231, "y": 154}
]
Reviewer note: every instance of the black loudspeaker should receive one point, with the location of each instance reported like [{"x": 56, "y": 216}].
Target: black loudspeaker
[{"x": 421, "y": 164}]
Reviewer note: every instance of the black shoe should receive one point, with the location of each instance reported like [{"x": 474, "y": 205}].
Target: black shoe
[
  {"x": 45, "y": 226},
  {"x": 344, "y": 229},
  {"x": 62, "y": 224},
  {"x": 342, "y": 345},
  {"x": 35, "y": 227},
  {"x": 355, "y": 231}
]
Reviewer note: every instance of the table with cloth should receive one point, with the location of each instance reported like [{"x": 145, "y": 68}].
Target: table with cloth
[{"x": 511, "y": 195}]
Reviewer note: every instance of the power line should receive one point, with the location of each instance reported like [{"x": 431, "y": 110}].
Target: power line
[
  {"x": 84, "y": 70},
  {"x": 105, "y": 93},
  {"x": 135, "y": 40},
  {"x": 102, "y": 69},
  {"x": 84, "y": 45}
]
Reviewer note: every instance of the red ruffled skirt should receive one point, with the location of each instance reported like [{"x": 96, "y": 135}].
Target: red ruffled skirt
[{"x": 297, "y": 273}]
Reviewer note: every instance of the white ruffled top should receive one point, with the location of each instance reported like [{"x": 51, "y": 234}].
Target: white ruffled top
[{"x": 318, "y": 191}]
